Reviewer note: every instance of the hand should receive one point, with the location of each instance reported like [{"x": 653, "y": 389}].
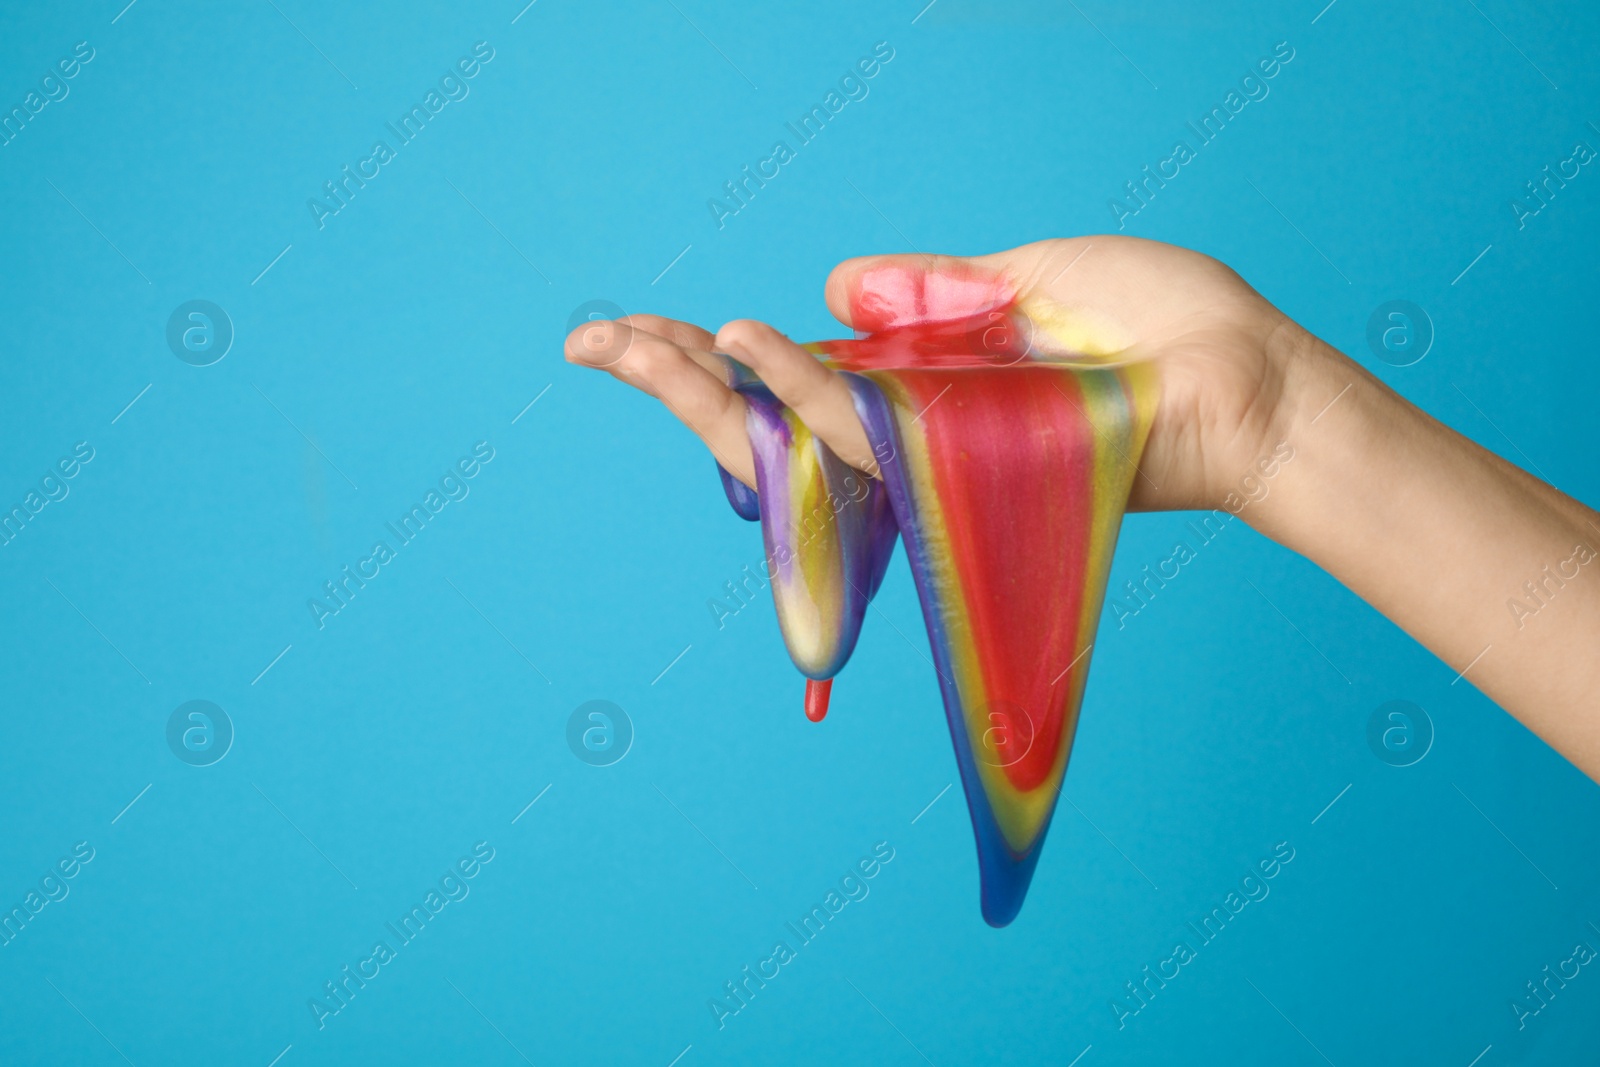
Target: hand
[
  {"x": 1223, "y": 354},
  {"x": 1443, "y": 537}
]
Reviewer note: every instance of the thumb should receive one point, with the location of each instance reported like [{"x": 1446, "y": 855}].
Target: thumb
[{"x": 871, "y": 293}]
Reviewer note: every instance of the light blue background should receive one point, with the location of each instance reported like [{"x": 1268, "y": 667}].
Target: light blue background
[{"x": 409, "y": 728}]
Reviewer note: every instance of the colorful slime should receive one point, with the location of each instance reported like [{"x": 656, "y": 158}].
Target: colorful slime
[{"x": 1007, "y": 471}]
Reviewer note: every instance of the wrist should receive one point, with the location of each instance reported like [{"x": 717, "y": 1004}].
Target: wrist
[{"x": 1323, "y": 433}]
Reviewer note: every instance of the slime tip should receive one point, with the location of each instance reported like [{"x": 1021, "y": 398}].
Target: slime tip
[{"x": 817, "y": 698}]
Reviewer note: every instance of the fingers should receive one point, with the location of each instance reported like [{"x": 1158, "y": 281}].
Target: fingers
[
  {"x": 688, "y": 381},
  {"x": 697, "y": 341},
  {"x": 693, "y": 339},
  {"x": 813, "y": 392}
]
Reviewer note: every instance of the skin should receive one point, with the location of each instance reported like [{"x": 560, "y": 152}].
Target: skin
[{"x": 1433, "y": 531}]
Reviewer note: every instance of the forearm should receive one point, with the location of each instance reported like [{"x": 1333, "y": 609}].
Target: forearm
[{"x": 1446, "y": 539}]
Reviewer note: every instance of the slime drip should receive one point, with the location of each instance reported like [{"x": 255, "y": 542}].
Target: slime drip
[
  {"x": 817, "y": 694},
  {"x": 1007, "y": 470}
]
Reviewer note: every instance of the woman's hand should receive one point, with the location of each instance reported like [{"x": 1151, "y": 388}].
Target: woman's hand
[
  {"x": 1225, "y": 357},
  {"x": 1493, "y": 570}
]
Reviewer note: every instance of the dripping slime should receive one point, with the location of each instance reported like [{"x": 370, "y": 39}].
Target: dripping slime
[
  {"x": 817, "y": 694},
  {"x": 1006, "y": 447}
]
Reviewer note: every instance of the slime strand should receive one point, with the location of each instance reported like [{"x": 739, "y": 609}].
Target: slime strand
[
  {"x": 817, "y": 694},
  {"x": 1006, "y": 469}
]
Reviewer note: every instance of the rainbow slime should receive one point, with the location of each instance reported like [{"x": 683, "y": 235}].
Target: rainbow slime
[{"x": 1006, "y": 469}]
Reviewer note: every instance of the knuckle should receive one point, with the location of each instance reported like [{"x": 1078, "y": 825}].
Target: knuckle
[
  {"x": 648, "y": 357},
  {"x": 742, "y": 333}
]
